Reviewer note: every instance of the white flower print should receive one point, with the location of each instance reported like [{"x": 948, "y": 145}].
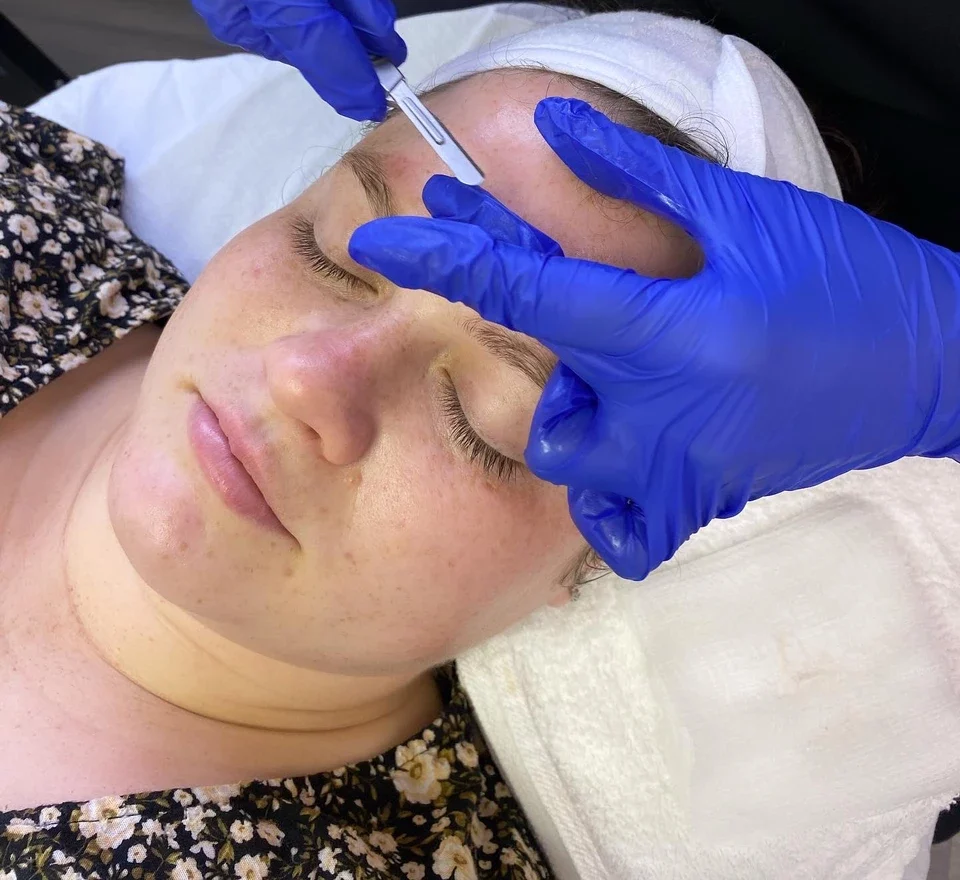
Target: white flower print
[
  {"x": 137, "y": 853},
  {"x": 467, "y": 754},
  {"x": 4, "y": 251},
  {"x": 270, "y": 832},
  {"x": 421, "y": 776},
  {"x": 186, "y": 869},
  {"x": 218, "y": 795},
  {"x": 71, "y": 359},
  {"x": 4, "y": 312},
  {"x": 508, "y": 856},
  {"x": 184, "y": 798},
  {"x": 355, "y": 844},
  {"x": 102, "y": 818},
  {"x": 487, "y": 808},
  {"x": 328, "y": 859},
  {"x": 73, "y": 225},
  {"x": 113, "y": 303},
  {"x": 74, "y": 145},
  {"x": 241, "y": 831},
  {"x": 68, "y": 262},
  {"x": 251, "y": 868},
  {"x": 453, "y": 859},
  {"x": 383, "y": 841},
  {"x": 481, "y": 836},
  {"x": 376, "y": 861},
  {"x": 204, "y": 846},
  {"x": 335, "y": 832},
  {"x": 51, "y": 246},
  {"x": 150, "y": 829},
  {"x": 44, "y": 204},
  {"x": 22, "y": 271},
  {"x": 24, "y": 227},
  {"x": 35, "y": 305},
  {"x": 90, "y": 273},
  {"x": 194, "y": 820},
  {"x": 4, "y": 163},
  {"x": 49, "y": 816},
  {"x": 413, "y": 871},
  {"x": 116, "y": 230}
]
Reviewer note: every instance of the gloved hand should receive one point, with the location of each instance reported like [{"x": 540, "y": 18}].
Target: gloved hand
[
  {"x": 815, "y": 340},
  {"x": 329, "y": 41}
]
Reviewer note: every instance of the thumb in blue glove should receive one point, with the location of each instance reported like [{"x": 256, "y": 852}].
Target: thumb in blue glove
[
  {"x": 814, "y": 341},
  {"x": 329, "y": 41}
]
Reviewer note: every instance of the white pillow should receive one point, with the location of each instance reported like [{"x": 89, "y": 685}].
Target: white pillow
[{"x": 213, "y": 145}]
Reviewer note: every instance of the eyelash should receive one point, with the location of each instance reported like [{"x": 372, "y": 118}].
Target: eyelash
[
  {"x": 462, "y": 433},
  {"x": 306, "y": 247}
]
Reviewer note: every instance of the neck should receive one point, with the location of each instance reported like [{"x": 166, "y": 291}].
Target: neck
[{"x": 181, "y": 659}]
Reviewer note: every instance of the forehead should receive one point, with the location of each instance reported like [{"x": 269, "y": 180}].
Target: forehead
[{"x": 491, "y": 115}]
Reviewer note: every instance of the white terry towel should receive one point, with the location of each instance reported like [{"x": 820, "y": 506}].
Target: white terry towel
[{"x": 779, "y": 701}]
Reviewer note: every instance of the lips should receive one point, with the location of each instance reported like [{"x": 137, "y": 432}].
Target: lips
[{"x": 221, "y": 454}]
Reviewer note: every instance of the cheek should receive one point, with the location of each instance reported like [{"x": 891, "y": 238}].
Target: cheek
[{"x": 459, "y": 559}]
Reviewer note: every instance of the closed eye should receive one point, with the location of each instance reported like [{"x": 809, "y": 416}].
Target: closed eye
[{"x": 306, "y": 247}]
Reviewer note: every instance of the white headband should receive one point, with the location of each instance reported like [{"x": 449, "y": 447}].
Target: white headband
[{"x": 679, "y": 69}]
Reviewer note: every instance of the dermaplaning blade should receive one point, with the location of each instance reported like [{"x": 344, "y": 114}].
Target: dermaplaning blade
[{"x": 434, "y": 133}]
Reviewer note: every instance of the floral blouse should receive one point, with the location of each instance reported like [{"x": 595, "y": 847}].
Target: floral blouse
[{"x": 73, "y": 278}]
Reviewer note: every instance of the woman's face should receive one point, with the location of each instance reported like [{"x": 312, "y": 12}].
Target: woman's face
[{"x": 329, "y": 469}]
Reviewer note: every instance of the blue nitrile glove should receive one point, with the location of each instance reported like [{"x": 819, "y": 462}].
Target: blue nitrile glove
[
  {"x": 815, "y": 340},
  {"x": 329, "y": 41}
]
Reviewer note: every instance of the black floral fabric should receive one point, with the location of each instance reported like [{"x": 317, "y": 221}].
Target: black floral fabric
[{"x": 73, "y": 278}]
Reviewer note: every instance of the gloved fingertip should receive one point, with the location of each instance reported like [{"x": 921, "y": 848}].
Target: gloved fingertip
[
  {"x": 365, "y": 244},
  {"x": 442, "y": 195},
  {"x": 559, "y": 107},
  {"x": 396, "y": 49},
  {"x": 616, "y": 528}
]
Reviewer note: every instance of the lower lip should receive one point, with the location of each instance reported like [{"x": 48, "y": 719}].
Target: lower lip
[{"x": 224, "y": 471}]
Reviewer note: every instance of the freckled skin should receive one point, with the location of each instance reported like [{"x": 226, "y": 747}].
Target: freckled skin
[{"x": 400, "y": 552}]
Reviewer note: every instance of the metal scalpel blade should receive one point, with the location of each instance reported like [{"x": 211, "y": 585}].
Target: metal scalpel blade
[{"x": 443, "y": 143}]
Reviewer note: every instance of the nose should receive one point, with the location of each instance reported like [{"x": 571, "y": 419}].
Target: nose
[{"x": 331, "y": 380}]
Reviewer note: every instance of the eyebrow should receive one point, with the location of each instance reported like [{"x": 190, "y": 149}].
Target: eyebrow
[
  {"x": 531, "y": 358},
  {"x": 368, "y": 170}
]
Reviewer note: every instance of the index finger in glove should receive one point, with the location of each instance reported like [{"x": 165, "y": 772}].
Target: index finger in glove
[
  {"x": 446, "y": 198},
  {"x": 560, "y": 301},
  {"x": 625, "y": 164}
]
